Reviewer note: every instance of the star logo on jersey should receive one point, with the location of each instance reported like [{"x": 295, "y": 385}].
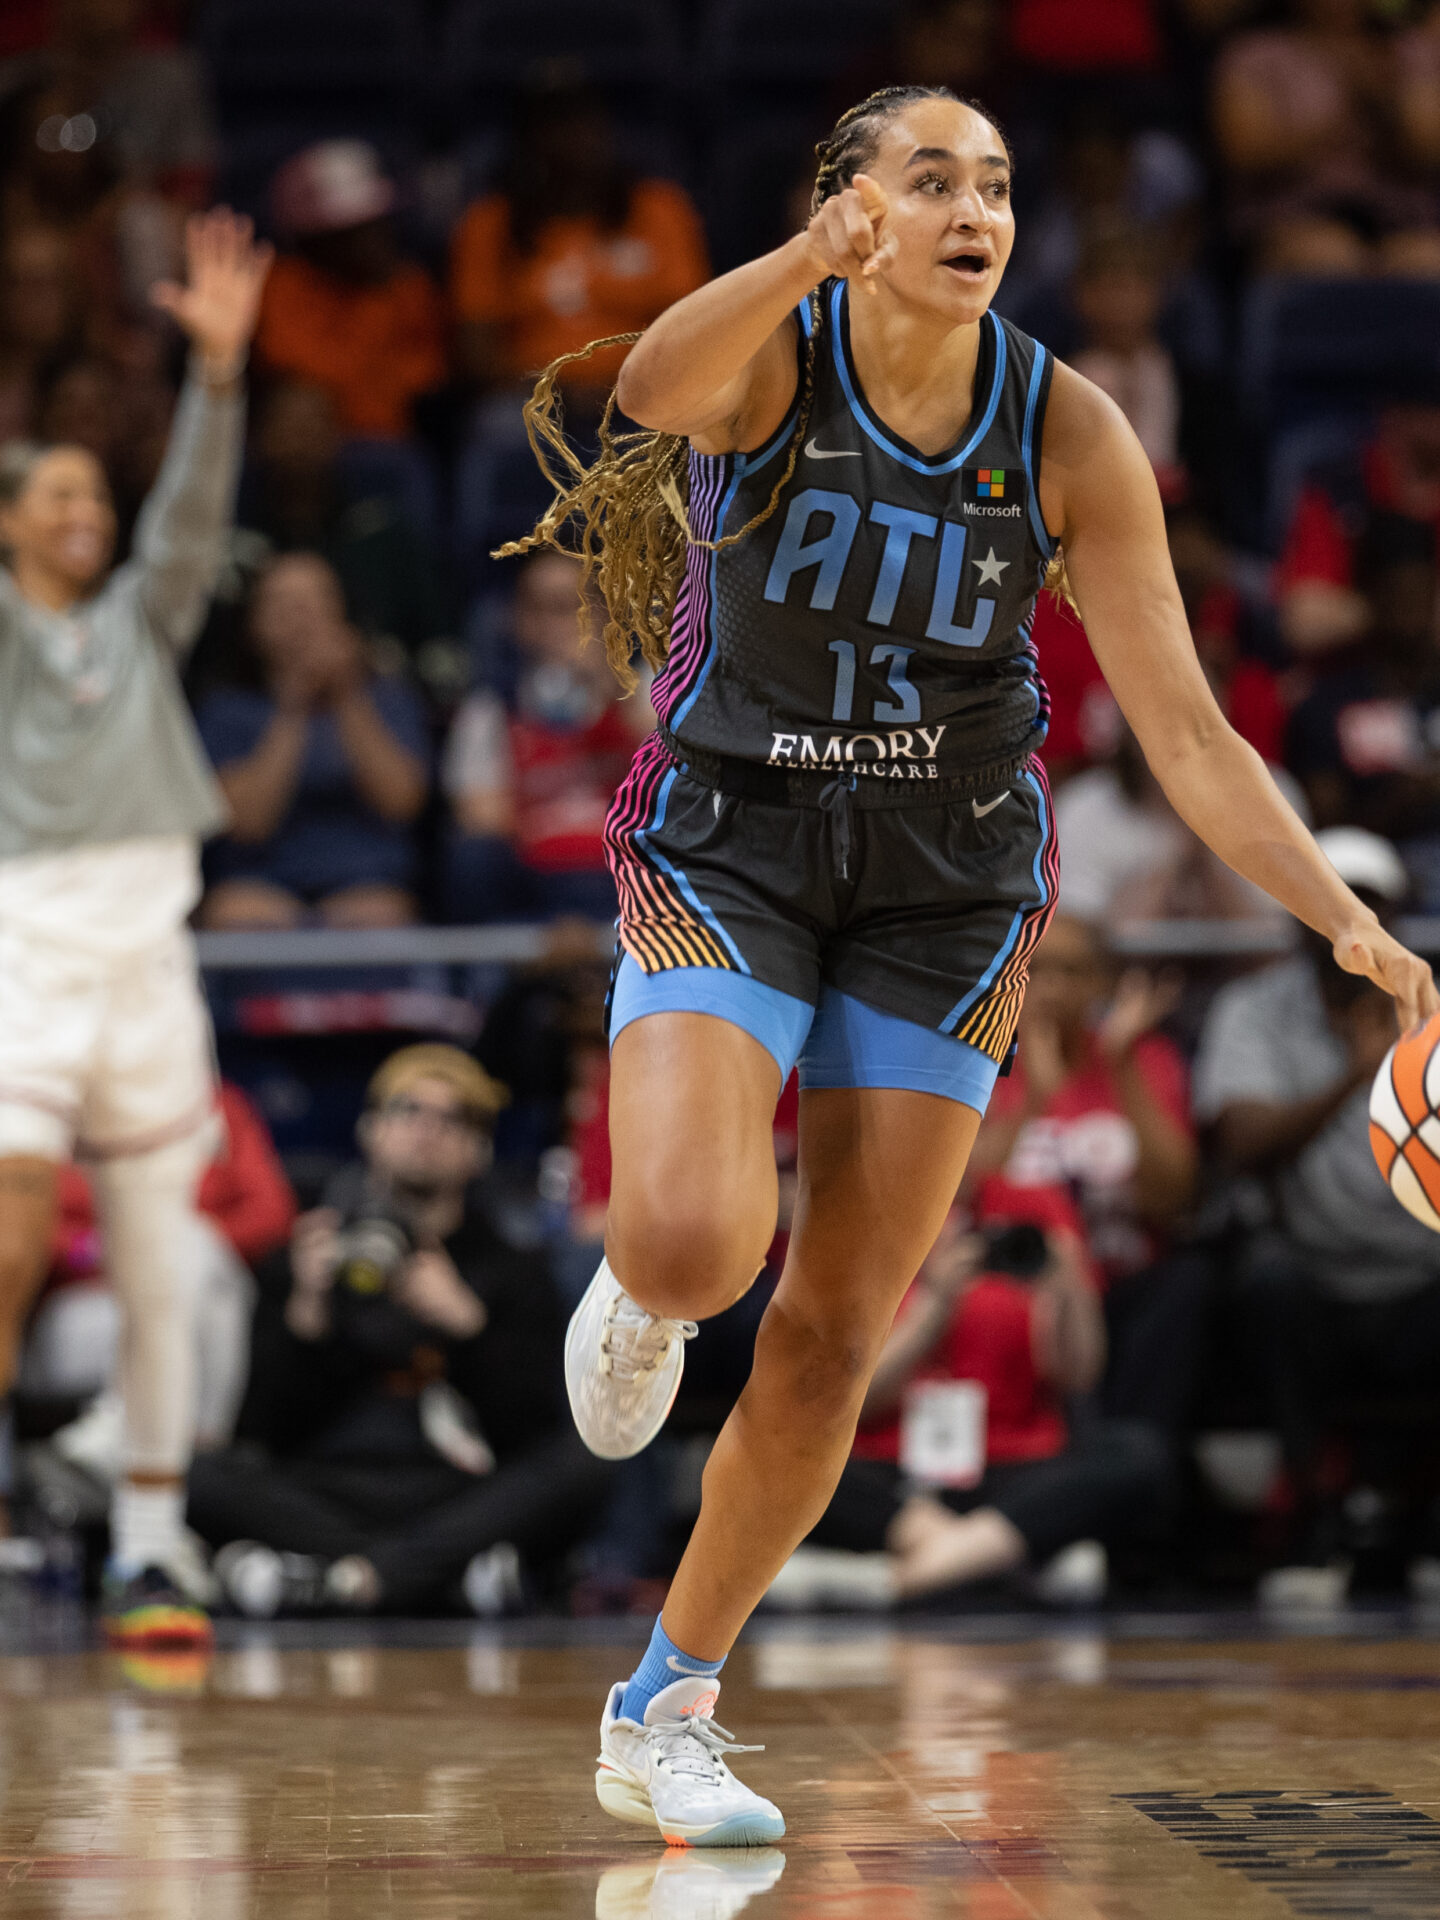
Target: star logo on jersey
[{"x": 991, "y": 569}]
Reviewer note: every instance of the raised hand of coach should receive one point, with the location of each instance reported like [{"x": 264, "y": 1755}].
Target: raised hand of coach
[{"x": 219, "y": 302}]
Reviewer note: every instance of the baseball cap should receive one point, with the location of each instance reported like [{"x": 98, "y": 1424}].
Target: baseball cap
[
  {"x": 1364, "y": 859},
  {"x": 330, "y": 186},
  {"x": 481, "y": 1096}
]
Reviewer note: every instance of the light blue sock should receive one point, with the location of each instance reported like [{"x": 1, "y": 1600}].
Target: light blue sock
[{"x": 654, "y": 1672}]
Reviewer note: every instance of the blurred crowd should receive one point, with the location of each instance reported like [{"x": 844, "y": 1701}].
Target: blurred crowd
[{"x": 1209, "y": 1340}]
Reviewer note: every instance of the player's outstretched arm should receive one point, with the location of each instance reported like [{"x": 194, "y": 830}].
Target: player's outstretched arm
[
  {"x": 1097, "y": 487},
  {"x": 719, "y": 366}
]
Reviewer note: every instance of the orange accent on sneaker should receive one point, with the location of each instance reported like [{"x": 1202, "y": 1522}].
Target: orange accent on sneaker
[{"x": 160, "y": 1625}]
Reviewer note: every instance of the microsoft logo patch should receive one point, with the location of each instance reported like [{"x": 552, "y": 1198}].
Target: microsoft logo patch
[{"x": 990, "y": 483}]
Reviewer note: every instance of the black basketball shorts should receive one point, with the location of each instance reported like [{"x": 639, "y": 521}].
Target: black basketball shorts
[{"x": 878, "y": 944}]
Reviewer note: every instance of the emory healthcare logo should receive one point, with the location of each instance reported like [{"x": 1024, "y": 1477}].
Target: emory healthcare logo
[{"x": 989, "y": 483}]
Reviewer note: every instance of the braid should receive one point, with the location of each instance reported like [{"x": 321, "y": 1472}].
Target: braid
[{"x": 630, "y": 504}]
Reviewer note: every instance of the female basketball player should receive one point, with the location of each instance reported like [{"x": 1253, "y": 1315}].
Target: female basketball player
[{"x": 838, "y": 848}]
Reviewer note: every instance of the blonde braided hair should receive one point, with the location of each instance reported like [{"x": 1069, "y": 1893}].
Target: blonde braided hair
[{"x": 628, "y": 506}]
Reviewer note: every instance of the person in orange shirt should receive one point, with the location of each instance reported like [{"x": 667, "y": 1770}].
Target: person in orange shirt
[
  {"x": 570, "y": 248},
  {"x": 345, "y": 310}
]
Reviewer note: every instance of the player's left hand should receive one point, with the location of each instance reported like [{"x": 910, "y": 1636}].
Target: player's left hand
[
  {"x": 1401, "y": 974},
  {"x": 220, "y": 301}
]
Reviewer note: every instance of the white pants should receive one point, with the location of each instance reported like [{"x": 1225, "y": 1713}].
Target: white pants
[
  {"x": 112, "y": 1053},
  {"x": 73, "y": 1346}
]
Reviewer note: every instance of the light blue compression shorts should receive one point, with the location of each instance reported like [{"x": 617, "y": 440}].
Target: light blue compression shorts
[{"x": 840, "y": 1043}]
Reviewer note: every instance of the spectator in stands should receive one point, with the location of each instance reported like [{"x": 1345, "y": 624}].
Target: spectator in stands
[
  {"x": 150, "y": 100},
  {"x": 1118, "y": 294},
  {"x": 572, "y": 246},
  {"x": 324, "y": 766},
  {"x": 68, "y": 189},
  {"x": 1246, "y": 688},
  {"x": 244, "y": 1211},
  {"x": 1342, "y": 1296},
  {"x": 1015, "y": 1311},
  {"x": 1085, "y": 722},
  {"x": 1129, "y": 856},
  {"x": 1348, "y": 509},
  {"x": 1305, "y": 117},
  {"x": 1101, "y": 178},
  {"x": 40, "y": 321},
  {"x": 1366, "y": 742},
  {"x": 1098, "y": 1101},
  {"x": 298, "y": 497},
  {"x": 120, "y": 414},
  {"x": 406, "y": 1429},
  {"x": 530, "y": 784},
  {"x": 1417, "y": 84},
  {"x": 345, "y": 309}
]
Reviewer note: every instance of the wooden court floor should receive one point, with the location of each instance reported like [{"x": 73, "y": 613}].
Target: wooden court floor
[{"x": 1140, "y": 1776}]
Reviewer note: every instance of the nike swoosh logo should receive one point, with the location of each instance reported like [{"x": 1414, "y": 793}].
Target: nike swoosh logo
[
  {"x": 690, "y": 1673},
  {"x": 812, "y": 452},
  {"x": 989, "y": 806}
]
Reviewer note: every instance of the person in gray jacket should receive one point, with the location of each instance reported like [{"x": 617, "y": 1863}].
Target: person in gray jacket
[{"x": 105, "y": 797}]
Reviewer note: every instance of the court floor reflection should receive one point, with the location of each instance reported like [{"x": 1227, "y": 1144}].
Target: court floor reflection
[{"x": 937, "y": 1771}]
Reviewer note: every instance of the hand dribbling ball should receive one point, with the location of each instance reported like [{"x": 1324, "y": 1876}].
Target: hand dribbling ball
[{"x": 1405, "y": 1121}]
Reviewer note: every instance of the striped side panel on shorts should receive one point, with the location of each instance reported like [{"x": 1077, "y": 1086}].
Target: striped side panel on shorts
[
  {"x": 990, "y": 1024},
  {"x": 658, "y": 928},
  {"x": 690, "y": 635}
]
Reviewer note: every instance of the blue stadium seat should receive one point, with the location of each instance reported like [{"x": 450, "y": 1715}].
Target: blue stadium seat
[
  {"x": 398, "y": 471},
  {"x": 769, "y": 56},
  {"x": 333, "y": 66},
  {"x": 499, "y": 493},
  {"x": 1311, "y": 349},
  {"x": 747, "y": 183},
  {"x": 627, "y": 48}
]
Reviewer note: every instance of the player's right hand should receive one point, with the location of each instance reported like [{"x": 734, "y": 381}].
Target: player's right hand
[{"x": 848, "y": 237}]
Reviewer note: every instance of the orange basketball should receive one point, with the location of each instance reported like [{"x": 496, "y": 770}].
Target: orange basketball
[{"x": 1405, "y": 1121}]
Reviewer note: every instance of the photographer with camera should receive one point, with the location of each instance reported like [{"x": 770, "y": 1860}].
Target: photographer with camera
[
  {"x": 966, "y": 1466},
  {"x": 403, "y": 1436}
]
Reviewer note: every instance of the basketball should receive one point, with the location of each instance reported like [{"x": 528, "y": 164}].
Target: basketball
[{"x": 1405, "y": 1121}]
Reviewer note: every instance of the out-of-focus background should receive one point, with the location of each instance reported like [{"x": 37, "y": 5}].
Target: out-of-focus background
[{"x": 1229, "y": 216}]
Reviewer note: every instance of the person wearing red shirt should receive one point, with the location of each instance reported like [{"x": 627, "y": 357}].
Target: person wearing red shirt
[
  {"x": 1085, "y": 722},
  {"x": 1098, "y": 1101},
  {"x": 1339, "y": 511},
  {"x": 531, "y": 781},
  {"x": 1018, "y": 1315}
]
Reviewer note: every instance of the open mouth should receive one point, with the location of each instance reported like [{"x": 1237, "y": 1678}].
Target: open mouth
[{"x": 968, "y": 266}]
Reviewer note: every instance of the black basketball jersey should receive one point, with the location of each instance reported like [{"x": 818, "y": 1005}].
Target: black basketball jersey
[{"x": 879, "y": 620}]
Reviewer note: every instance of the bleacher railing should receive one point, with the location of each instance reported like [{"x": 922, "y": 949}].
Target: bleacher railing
[{"x": 526, "y": 945}]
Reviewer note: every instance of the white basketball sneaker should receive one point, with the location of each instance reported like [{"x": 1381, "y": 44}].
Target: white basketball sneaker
[
  {"x": 670, "y": 1771},
  {"x": 622, "y": 1368}
]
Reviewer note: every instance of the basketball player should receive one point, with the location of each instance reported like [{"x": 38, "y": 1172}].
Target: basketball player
[
  {"x": 839, "y": 848},
  {"x": 105, "y": 796}
]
